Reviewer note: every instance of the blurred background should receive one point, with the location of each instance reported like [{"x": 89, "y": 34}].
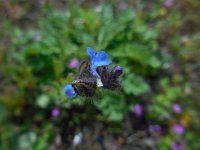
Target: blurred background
[{"x": 42, "y": 42}]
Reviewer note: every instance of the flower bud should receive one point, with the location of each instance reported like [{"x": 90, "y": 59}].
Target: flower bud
[{"x": 117, "y": 71}]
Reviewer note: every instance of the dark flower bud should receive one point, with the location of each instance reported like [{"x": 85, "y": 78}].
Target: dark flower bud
[
  {"x": 110, "y": 78},
  {"x": 117, "y": 71}
]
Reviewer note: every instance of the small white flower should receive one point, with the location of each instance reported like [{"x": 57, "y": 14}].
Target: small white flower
[{"x": 78, "y": 139}]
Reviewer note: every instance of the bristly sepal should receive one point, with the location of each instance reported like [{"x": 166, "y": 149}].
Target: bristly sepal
[
  {"x": 110, "y": 79},
  {"x": 86, "y": 84}
]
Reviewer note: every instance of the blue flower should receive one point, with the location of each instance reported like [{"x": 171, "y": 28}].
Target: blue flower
[
  {"x": 69, "y": 91},
  {"x": 97, "y": 60}
]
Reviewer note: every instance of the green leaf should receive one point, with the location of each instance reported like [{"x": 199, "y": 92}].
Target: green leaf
[
  {"x": 43, "y": 101},
  {"x": 135, "y": 85}
]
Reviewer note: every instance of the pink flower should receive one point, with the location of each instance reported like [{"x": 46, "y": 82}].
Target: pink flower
[
  {"x": 177, "y": 108},
  {"x": 168, "y": 3},
  {"x": 74, "y": 63},
  {"x": 178, "y": 129}
]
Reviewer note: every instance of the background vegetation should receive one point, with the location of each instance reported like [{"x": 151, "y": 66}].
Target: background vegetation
[{"x": 157, "y": 44}]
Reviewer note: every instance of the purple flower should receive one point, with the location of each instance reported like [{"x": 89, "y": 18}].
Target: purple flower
[
  {"x": 123, "y": 5},
  {"x": 176, "y": 146},
  {"x": 97, "y": 60},
  {"x": 178, "y": 129},
  {"x": 168, "y": 3},
  {"x": 74, "y": 63},
  {"x": 157, "y": 128},
  {"x": 177, "y": 108},
  {"x": 138, "y": 110},
  {"x": 117, "y": 70},
  {"x": 114, "y": 147},
  {"x": 37, "y": 36},
  {"x": 55, "y": 112}
]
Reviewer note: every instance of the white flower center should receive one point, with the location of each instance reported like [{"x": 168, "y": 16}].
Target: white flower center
[{"x": 99, "y": 83}]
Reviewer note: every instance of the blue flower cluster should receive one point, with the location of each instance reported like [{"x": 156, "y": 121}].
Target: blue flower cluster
[{"x": 97, "y": 60}]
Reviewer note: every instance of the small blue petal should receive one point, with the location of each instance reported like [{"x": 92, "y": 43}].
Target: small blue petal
[
  {"x": 93, "y": 71},
  {"x": 91, "y": 52},
  {"x": 97, "y": 60},
  {"x": 101, "y": 56},
  {"x": 69, "y": 91},
  {"x": 102, "y": 63}
]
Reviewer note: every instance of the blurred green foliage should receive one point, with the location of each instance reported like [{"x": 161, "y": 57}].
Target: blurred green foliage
[{"x": 35, "y": 65}]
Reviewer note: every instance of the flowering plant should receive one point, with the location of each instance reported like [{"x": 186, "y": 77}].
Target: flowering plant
[{"x": 92, "y": 74}]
